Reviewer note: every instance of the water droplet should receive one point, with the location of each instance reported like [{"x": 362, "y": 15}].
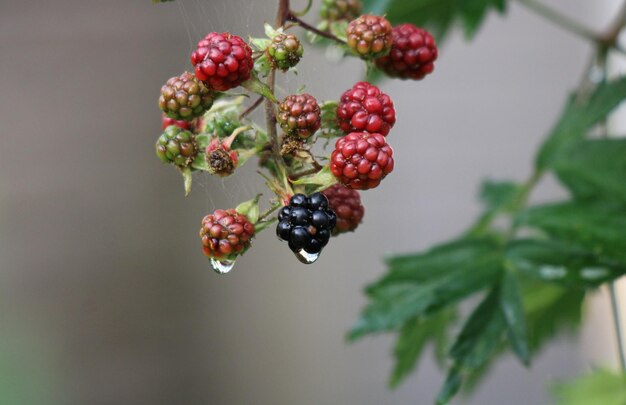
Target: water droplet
[
  {"x": 306, "y": 257},
  {"x": 222, "y": 266}
]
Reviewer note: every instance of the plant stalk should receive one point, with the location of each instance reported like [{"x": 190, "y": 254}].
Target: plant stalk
[{"x": 617, "y": 321}]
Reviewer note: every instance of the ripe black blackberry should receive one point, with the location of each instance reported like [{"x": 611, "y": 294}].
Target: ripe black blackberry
[{"x": 306, "y": 223}]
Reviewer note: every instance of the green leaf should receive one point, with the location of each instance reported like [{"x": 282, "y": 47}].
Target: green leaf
[
  {"x": 557, "y": 262},
  {"x": 513, "y": 312},
  {"x": 322, "y": 179},
  {"x": 450, "y": 387},
  {"x": 187, "y": 178},
  {"x": 499, "y": 195},
  {"x": 260, "y": 44},
  {"x": 578, "y": 117},
  {"x": 481, "y": 334},
  {"x": 250, "y": 209},
  {"x": 438, "y": 15},
  {"x": 550, "y": 311},
  {"x": 256, "y": 86},
  {"x": 593, "y": 169},
  {"x": 480, "y": 338},
  {"x": 200, "y": 162},
  {"x": 270, "y": 32},
  {"x": 601, "y": 387},
  {"x": 330, "y": 127},
  {"x": 596, "y": 227},
  {"x": 416, "y": 333},
  {"x": 419, "y": 285}
]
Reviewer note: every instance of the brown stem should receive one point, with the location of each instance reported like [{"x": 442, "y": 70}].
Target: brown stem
[
  {"x": 251, "y": 108},
  {"x": 314, "y": 30},
  {"x": 303, "y": 173}
]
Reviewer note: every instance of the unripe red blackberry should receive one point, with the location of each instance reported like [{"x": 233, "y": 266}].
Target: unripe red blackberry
[
  {"x": 225, "y": 234},
  {"x": 335, "y": 10},
  {"x": 177, "y": 146},
  {"x": 285, "y": 51},
  {"x": 347, "y": 205},
  {"x": 222, "y": 61},
  {"x": 220, "y": 158},
  {"x": 365, "y": 108},
  {"x": 361, "y": 160},
  {"x": 412, "y": 54},
  {"x": 306, "y": 223},
  {"x": 299, "y": 114},
  {"x": 167, "y": 121},
  {"x": 370, "y": 36},
  {"x": 184, "y": 97}
]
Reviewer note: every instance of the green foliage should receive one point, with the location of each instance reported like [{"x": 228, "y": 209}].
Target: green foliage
[
  {"x": 600, "y": 387},
  {"x": 438, "y": 15},
  {"x": 594, "y": 168},
  {"x": 580, "y": 114},
  {"x": 535, "y": 285}
]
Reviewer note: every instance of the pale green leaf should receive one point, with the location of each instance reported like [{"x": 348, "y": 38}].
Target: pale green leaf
[{"x": 601, "y": 387}]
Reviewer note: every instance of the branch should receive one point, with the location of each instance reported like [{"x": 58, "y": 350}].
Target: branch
[
  {"x": 291, "y": 17},
  {"x": 252, "y": 107}
]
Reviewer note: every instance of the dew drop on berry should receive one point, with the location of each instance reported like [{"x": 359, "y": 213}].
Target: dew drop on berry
[
  {"x": 306, "y": 257},
  {"x": 222, "y": 266}
]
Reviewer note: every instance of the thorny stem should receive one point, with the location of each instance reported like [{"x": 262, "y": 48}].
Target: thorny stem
[
  {"x": 608, "y": 40},
  {"x": 303, "y": 173},
  {"x": 291, "y": 17},
  {"x": 269, "y": 211},
  {"x": 253, "y": 107}
]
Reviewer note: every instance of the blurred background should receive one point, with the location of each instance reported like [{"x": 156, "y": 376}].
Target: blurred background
[{"x": 105, "y": 296}]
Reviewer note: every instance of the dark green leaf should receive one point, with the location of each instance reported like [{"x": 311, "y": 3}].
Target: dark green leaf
[
  {"x": 550, "y": 310},
  {"x": 579, "y": 116},
  {"x": 450, "y": 387},
  {"x": 419, "y": 285},
  {"x": 602, "y": 387},
  {"x": 596, "y": 227},
  {"x": 256, "y": 86},
  {"x": 481, "y": 334},
  {"x": 499, "y": 195},
  {"x": 558, "y": 262},
  {"x": 513, "y": 312},
  {"x": 594, "y": 168},
  {"x": 414, "y": 336},
  {"x": 437, "y": 15}
]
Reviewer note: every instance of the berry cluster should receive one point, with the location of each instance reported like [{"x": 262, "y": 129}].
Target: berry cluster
[
  {"x": 206, "y": 129},
  {"x": 225, "y": 234},
  {"x": 299, "y": 114},
  {"x": 365, "y": 108},
  {"x": 306, "y": 223}
]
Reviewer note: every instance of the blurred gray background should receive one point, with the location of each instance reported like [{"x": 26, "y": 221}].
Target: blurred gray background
[{"x": 105, "y": 297}]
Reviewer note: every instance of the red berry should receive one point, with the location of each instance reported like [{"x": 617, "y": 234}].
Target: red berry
[
  {"x": 222, "y": 61},
  {"x": 365, "y": 108},
  {"x": 412, "y": 55},
  {"x": 167, "y": 121},
  {"x": 225, "y": 234},
  {"x": 361, "y": 160},
  {"x": 347, "y": 205},
  {"x": 299, "y": 114},
  {"x": 369, "y": 36}
]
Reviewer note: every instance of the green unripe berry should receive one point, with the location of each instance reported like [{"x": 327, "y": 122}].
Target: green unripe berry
[
  {"x": 285, "y": 51},
  {"x": 177, "y": 146}
]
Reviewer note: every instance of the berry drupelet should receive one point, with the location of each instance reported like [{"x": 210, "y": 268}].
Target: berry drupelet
[
  {"x": 336, "y": 10},
  {"x": 184, "y": 97},
  {"x": 412, "y": 54},
  {"x": 299, "y": 115},
  {"x": 222, "y": 61},
  {"x": 365, "y": 108},
  {"x": 361, "y": 160},
  {"x": 177, "y": 146},
  {"x": 369, "y": 36},
  {"x": 306, "y": 223},
  {"x": 346, "y": 203},
  {"x": 225, "y": 234},
  {"x": 285, "y": 51}
]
